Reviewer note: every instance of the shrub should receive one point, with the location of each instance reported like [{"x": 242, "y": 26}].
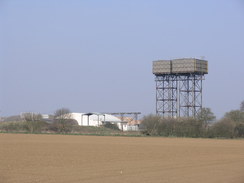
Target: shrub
[
  {"x": 63, "y": 126},
  {"x": 151, "y": 124},
  {"x": 16, "y": 118},
  {"x": 111, "y": 126},
  {"x": 188, "y": 127},
  {"x": 182, "y": 127},
  {"x": 235, "y": 115},
  {"x": 12, "y": 126},
  {"x": 223, "y": 128},
  {"x": 239, "y": 130},
  {"x": 34, "y": 126},
  {"x": 166, "y": 127}
]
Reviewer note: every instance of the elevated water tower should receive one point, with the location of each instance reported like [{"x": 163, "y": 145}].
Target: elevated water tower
[{"x": 179, "y": 86}]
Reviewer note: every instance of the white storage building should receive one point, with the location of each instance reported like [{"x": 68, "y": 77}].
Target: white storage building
[
  {"x": 98, "y": 119},
  {"x": 94, "y": 119}
]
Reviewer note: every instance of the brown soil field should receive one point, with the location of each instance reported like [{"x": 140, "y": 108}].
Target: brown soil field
[{"x": 91, "y": 159}]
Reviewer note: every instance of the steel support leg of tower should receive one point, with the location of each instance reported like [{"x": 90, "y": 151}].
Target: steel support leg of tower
[
  {"x": 166, "y": 95},
  {"x": 190, "y": 95}
]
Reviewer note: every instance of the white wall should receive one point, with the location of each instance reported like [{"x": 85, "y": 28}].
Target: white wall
[
  {"x": 94, "y": 120},
  {"x": 126, "y": 127}
]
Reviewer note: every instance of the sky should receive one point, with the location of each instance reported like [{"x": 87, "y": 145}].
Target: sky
[{"x": 96, "y": 56}]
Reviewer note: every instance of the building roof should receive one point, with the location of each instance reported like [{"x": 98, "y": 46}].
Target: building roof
[
  {"x": 94, "y": 116},
  {"x": 130, "y": 120}
]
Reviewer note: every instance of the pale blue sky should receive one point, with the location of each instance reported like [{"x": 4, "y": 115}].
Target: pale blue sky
[{"x": 97, "y": 55}]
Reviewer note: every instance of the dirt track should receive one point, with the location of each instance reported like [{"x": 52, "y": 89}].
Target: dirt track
[{"x": 62, "y": 159}]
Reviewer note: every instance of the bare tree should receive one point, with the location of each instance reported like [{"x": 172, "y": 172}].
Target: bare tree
[
  {"x": 31, "y": 116},
  {"x": 33, "y": 121},
  {"x": 151, "y": 124},
  {"x": 12, "y": 118},
  {"x": 242, "y": 106},
  {"x": 206, "y": 116},
  {"x": 224, "y": 128},
  {"x": 235, "y": 115},
  {"x": 62, "y": 120}
]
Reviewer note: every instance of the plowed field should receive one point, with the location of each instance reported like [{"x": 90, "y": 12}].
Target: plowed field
[{"x": 93, "y": 159}]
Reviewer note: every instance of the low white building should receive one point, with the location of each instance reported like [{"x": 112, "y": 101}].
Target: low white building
[
  {"x": 94, "y": 119},
  {"x": 98, "y": 119},
  {"x": 129, "y": 127}
]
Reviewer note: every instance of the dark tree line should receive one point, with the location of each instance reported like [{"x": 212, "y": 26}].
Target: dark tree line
[
  {"x": 205, "y": 125},
  {"x": 59, "y": 122}
]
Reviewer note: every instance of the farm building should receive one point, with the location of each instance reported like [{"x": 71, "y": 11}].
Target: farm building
[
  {"x": 93, "y": 119},
  {"x": 98, "y": 119}
]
